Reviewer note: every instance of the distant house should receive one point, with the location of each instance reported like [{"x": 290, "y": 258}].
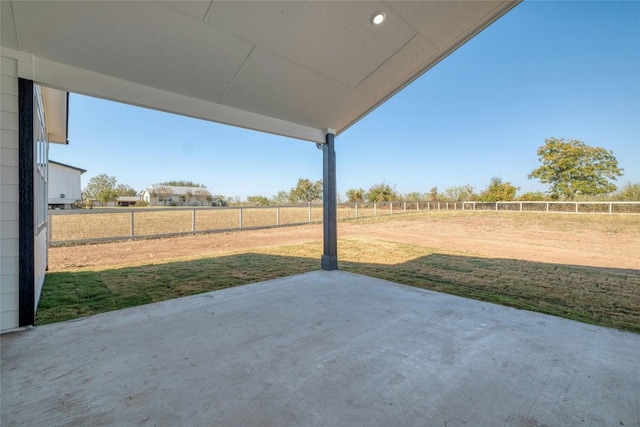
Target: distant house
[
  {"x": 126, "y": 201},
  {"x": 171, "y": 195},
  {"x": 63, "y": 185},
  {"x": 120, "y": 202}
]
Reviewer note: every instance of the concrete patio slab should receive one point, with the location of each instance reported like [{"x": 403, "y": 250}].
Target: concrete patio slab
[{"x": 321, "y": 349}]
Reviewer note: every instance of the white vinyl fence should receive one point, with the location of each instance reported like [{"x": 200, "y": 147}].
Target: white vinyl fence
[
  {"x": 557, "y": 207},
  {"x": 97, "y": 225}
]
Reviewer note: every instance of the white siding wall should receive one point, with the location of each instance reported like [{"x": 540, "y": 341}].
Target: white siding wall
[
  {"x": 8, "y": 193},
  {"x": 41, "y": 246},
  {"x": 63, "y": 180}
]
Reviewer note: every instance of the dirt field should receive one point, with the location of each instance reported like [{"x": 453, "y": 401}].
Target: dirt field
[{"x": 610, "y": 241}]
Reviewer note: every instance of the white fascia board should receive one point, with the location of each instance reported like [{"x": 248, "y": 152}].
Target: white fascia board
[
  {"x": 77, "y": 80},
  {"x": 56, "y": 115}
]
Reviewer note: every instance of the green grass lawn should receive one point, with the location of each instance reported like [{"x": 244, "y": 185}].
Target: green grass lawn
[{"x": 597, "y": 296}]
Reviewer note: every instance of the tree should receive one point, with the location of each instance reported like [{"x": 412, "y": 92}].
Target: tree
[
  {"x": 106, "y": 195},
  {"x": 125, "y": 190},
  {"x": 306, "y": 191},
  {"x": 381, "y": 192},
  {"x": 258, "y": 200},
  {"x": 498, "y": 191},
  {"x": 219, "y": 200},
  {"x": 414, "y": 196},
  {"x": 460, "y": 193},
  {"x": 629, "y": 193},
  {"x": 433, "y": 194},
  {"x": 573, "y": 168},
  {"x": 98, "y": 184},
  {"x": 181, "y": 184},
  {"x": 282, "y": 198},
  {"x": 163, "y": 193},
  {"x": 202, "y": 196},
  {"x": 532, "y": 196},
  {"x": 355, "y": 195}
]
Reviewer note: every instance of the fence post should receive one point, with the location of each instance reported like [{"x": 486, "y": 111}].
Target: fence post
[
  {"x": 390, "y": 208},
  {"x": 438, "y": 205},
  {"x": 310, "y": 214},
  {"x": 576, "y": 207},
  {"x": 277, "y": 216},
  {"x": 240, "y": 218},
  {"x": 418, "y": 206},
  {"x": 193, "y": 220},
  {"x": 547, "y": 206},
  {"x": 404, "y": 206},
  {"x": 428, "y": 206},
  {"x": 375, "y": 207},
  {"x": 356, "y": 210},
  {"x": 520, "y": 206},
  {"x": 50, "y": 227},
  {"x": 496, "y": 206},
  {"x": 131, "y": 224},
  {"x": 609, "y": 207}
]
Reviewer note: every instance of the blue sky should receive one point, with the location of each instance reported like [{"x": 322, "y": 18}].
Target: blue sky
[{"x": 547, "y": 69}]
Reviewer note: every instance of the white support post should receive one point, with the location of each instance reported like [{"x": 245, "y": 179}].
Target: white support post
[
  {"x": 240, "y": 215},
  {"x": 310, "y": 216},
  {"x": 278, "y": 216},
  {"x": 404, "y": 206},
  {"x": 576, "y": 207},
  {"x": 356, "y": 210},
  {"x": 610, "y": 211},
  {"x": 375, "y": 207},
  {"x": 193, "y": 220},
  {"x": 390, "y": 208}
]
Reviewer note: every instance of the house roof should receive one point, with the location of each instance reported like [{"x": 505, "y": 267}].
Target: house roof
[
  {"x": 177, "y": 190},
  {"x": 67, "y": 166},
  {"x": 128, "y": 198},
  {"x": 296, "y": 69}
]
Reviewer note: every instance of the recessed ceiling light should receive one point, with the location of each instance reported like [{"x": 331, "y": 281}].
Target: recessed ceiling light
[{"x": 378, "y": 18}]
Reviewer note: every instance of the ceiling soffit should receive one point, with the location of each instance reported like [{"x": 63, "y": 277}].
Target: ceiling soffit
[{"x": 314, "y": 65}]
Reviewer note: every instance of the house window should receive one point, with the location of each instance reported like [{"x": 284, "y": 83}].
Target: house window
[{"x": 41, "y": 160}]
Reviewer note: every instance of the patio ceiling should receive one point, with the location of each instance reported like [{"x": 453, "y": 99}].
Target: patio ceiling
[{"x": 289, "y": 68}]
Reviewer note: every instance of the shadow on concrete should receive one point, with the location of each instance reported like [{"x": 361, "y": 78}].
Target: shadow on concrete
[{"x": 603, "y": 296}]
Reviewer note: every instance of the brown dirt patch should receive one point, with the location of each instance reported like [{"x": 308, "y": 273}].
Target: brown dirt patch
[{"x": 609, "y": 241}]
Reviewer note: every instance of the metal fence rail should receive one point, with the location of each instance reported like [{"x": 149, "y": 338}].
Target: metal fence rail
[{"x": 99, "y": 225}]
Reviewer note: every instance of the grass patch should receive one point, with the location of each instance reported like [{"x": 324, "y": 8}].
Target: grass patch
[
  {"x": 597, "y": 296},
  {"x": 71, "y": 294}
]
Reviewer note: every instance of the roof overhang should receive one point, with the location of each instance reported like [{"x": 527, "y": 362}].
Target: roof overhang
[
  {"x": 56, "y": 114},
  {"x": 287, "y": 68}
]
